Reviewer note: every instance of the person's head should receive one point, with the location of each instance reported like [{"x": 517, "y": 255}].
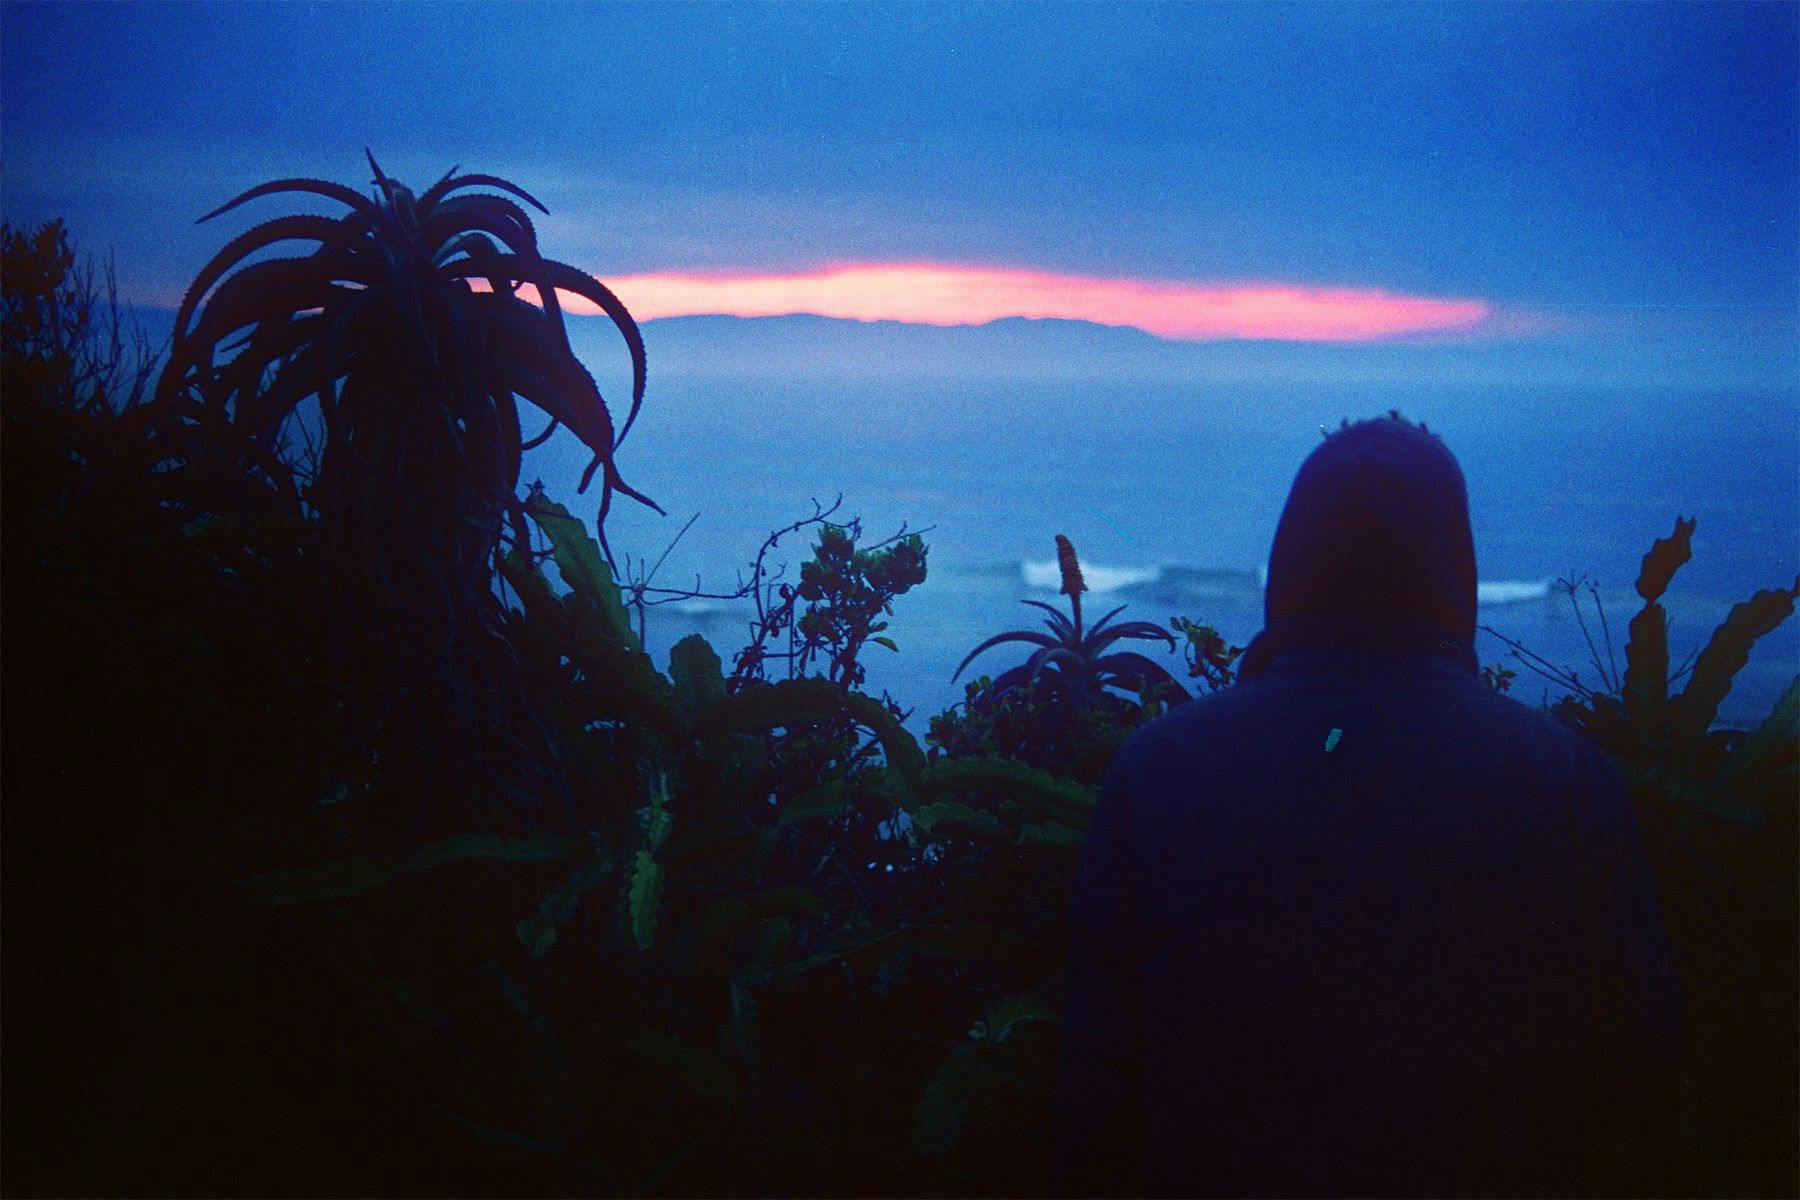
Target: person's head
[{"x": 1374, "y": 550}]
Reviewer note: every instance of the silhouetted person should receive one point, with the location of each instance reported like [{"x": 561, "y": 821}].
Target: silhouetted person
[{"x": 1360, "y": 925}]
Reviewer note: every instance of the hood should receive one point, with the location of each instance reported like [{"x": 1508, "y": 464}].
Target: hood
[{"x": 1373, "y": 552}]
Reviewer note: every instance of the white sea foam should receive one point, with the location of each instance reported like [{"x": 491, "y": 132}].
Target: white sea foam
[
  {"x": 1510, "y": 591},
  {"x": 708, "y": 605},
  {"x": 1046, "y": 575}
]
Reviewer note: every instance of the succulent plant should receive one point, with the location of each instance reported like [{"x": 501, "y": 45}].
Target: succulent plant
[
  {"x": 416, "y": 377},
  {"x": 1074, "y": 662}
]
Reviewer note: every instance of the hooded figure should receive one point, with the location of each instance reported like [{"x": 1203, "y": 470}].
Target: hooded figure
[{"x": 1360, "y": 925}]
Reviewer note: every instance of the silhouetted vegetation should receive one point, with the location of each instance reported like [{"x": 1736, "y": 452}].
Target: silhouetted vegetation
[{"x": 351, "y": 851}]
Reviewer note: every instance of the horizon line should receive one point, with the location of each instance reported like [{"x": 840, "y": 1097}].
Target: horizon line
[{"x": 951, "y": 294}]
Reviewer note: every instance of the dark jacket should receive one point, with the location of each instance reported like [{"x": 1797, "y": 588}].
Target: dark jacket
[{"x": 1359, "y": 924}]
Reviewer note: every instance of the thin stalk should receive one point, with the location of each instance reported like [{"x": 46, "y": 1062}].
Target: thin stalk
[
  {"x": 1593, "y": 652},
  {"x": 1616, "y": 682},
  {"x": 1549, "y": 670}
]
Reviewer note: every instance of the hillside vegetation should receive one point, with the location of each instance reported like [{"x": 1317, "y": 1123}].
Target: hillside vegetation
[{"x": 355, "y": 845}]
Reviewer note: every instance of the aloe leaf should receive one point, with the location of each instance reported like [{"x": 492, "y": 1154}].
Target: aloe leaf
[
  {"x": 1131, "y": 665},
  {"x": 548, "y": 274},
  {"x": 1068, "y": 660},
  {"x": 322, "y": 229},
  {"x": 1664, "y": 558},
  {"x": 1098, "y": 626},
  {"x": 1059, "y": 623},
  {"x": 569, "y": 400},
  {"x": 512, "y": 450},
  {"x": 363, "y": 206},
  {"x": 1000, "y": 639},
  {"x": 526, "y": 348},
  {"x": 477, "y": 245},
  {"x": 508, "y": 222},
  {"x": 1009, "y": 679},
  {"x": 1691, "y": 712},
  {"x": 493, "y": 215},
  {"x": 260, "y": 410},
  {"x": 1139, "y": 631},
  {"x": 332, "y": 366},
  {"x": 443, "y": 187},
  {"x": 270, "y": 290}
]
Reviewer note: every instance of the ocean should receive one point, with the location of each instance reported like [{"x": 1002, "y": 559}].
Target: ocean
[{"x": 1171, "y": 492}]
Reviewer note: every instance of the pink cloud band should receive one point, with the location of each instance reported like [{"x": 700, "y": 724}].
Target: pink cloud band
[{"x": 944, "y": 294}]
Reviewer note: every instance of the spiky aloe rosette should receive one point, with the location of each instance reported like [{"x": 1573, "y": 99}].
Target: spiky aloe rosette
[
  {"x": 1074, "y": 662},
  {"x": 411, "y": 379}
]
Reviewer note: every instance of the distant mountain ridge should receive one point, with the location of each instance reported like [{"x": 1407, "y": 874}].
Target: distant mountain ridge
[
  {"x": 805, "y": 346},
  {"x": 808, "y": 347}
]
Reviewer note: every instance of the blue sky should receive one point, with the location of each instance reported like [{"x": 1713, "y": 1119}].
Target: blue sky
[{"x": 1628, "y": 172}]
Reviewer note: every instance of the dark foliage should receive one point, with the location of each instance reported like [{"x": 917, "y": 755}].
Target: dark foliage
[
  {"x": 375, "y": 344},
  {"x": 739, "y": 933}
]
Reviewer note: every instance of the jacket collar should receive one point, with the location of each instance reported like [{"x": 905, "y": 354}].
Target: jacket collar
[
  {"x": 1325, "y": 642},
  {"x": 1344, "y": 660}
]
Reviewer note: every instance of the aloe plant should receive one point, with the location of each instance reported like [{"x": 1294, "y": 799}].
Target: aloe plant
[
  {"x": 416, "y": 378},
  {"x": 1071, "y": 660},
  {"x": 430, "y": 367}
]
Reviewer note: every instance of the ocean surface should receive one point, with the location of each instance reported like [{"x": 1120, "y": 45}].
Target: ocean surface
[{"x": 1171, "y": 493}]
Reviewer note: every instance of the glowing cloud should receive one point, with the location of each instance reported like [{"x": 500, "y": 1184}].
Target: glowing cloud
[{"x": 945, "y": 294}]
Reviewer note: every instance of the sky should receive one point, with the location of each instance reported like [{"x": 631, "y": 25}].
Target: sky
[{"x": 1603, "y": 180}]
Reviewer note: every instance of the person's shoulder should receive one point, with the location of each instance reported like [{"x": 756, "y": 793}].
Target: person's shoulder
[
  {"x": 1536, "y": 728},
  {"x": 1198, "y": 722},
  {"x": 1523, "y": 732}
]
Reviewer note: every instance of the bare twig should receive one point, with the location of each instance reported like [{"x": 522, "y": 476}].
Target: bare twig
[
  {"x": 772, "y": 618},
  {"x": 1617, "y": 679},
  {"x": 1570, "y": 585},
  {"x": 1548, "y": 670}
]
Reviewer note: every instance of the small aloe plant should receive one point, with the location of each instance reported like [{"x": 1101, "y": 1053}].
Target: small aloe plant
[{"x": 1074, "y": 662}]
